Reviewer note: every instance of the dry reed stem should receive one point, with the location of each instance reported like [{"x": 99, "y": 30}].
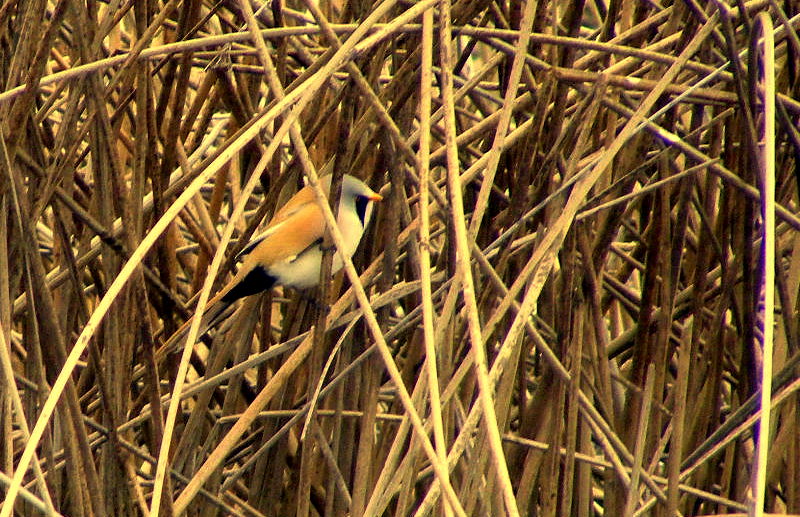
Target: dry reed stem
[
  {"x": 463, "y": 264},
  {"x": 764, "y": 23},
  {"x": 431, "y": 358}
]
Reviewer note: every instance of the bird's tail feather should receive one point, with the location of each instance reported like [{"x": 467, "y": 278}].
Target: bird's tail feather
[
  {"x": 217, "y": 307},
  {"x": 216, "y": 311}
]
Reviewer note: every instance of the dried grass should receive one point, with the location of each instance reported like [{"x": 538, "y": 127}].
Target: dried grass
[{"x": 566, "y": 305}]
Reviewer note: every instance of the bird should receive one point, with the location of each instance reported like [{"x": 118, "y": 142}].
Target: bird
[{"x": 289, "y": 251}]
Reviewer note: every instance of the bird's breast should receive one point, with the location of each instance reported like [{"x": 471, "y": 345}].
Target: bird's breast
[{"x": 303, "y": 270}]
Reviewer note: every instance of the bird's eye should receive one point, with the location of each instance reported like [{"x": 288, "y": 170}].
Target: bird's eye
[{"x": 361, "y": 207}]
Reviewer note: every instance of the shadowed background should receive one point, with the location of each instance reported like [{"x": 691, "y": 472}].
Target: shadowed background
[{"x": 589, "y": 284}]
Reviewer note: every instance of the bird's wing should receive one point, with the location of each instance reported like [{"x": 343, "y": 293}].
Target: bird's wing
[
  {"x": 300, "y": 202},
  {"x": 256, "y": 241},
  {"x": 289, "y": 238}
]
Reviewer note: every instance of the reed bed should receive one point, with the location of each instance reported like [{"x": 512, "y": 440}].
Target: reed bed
[{"x": 578, "y": 297}]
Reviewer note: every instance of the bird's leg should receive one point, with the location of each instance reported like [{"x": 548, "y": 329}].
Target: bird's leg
[
  {"x": 325, "y": 248},
  {"x": 310, "y": 296}
]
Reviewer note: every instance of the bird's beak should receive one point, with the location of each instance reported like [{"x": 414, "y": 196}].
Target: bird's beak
[{"x": 375, "y": 197}]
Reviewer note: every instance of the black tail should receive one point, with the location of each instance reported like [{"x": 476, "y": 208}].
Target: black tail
[{"x": 254, "y": 282}]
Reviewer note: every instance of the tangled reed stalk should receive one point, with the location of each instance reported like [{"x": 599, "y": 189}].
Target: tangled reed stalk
[{"x": 582, "y": 276}]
